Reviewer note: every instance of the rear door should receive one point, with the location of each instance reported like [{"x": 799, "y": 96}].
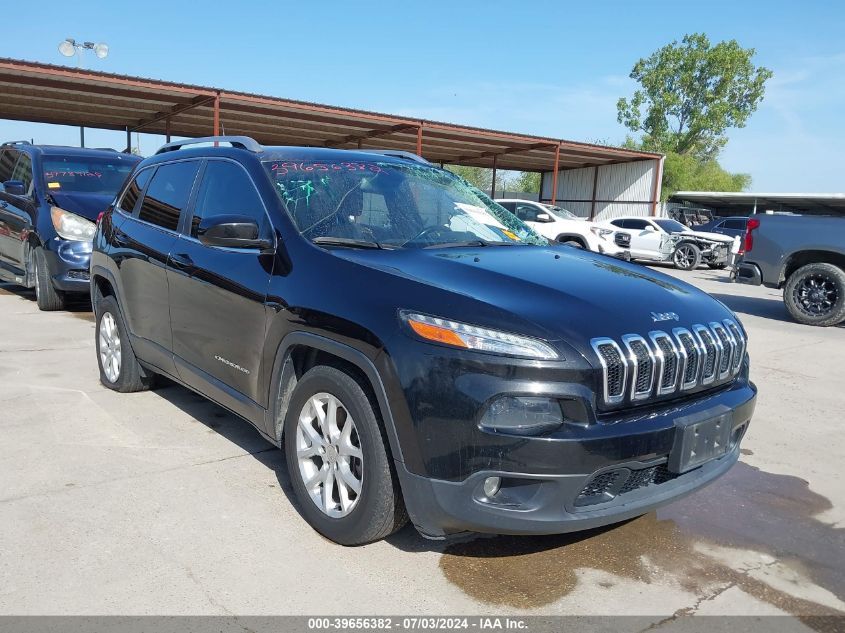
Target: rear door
[
  {"x": 218, "y": 295},
  {"x": 142, "y": 243}
]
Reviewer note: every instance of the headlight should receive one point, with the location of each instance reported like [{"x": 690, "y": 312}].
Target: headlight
[
  {"x": 472, "y": 337},
  {"x": 71, "y": 226},
  {"x": 522, "y": 415},
  {"x": 600, "y": 232}
]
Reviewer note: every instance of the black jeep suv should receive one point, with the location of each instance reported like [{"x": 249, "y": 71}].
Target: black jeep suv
[
  {"x": 411, "y": 345},
  {"x": 50, "y": 198}
]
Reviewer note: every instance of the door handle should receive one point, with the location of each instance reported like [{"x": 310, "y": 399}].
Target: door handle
[
  {"x": 181, "y": 261},
  {"x": 119, "y": 238},
  {"x": 4, "y": 204}
]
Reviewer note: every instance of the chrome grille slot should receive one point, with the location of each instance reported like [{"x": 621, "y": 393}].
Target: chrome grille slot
[
  {"x": 642, "y": 364},
  {"x": 710, "y": 353},
  {"x": 691, "y": 354},
  {"x": 662, "y": 363},
  {"x": 668, "y": 361},
  {"x": 614, "y": 369},
  {"x": 739, "y": 351},
  {"x": 728, "y": 345}
]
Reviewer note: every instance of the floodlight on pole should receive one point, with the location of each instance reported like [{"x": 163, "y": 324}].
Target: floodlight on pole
[{"x": 70, "y": 47}]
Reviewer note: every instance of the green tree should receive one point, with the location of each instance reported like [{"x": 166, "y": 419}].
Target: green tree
[
  {"x": 476, "y": 176},
  {"x": 691, "y": 93},
  {"x": 683, "y": 172},
  {"x": 526, "y": 181}
]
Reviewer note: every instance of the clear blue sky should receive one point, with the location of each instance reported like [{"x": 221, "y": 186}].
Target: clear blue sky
[{"x": 549, "y": 68}]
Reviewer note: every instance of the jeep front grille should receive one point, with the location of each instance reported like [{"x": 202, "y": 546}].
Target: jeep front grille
[{"x": 665, "y": 363}]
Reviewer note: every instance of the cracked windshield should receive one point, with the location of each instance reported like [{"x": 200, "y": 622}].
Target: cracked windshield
[{"x": 390, "y": 205}]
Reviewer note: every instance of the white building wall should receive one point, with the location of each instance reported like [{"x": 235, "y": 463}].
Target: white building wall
[{"x": 620, "y": 189}]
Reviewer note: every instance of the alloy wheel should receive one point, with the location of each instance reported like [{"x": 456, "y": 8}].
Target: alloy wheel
[
  {"x": 684, "y": 257},
  {"x": 110, "y": 354},
  {"x": 329, "y": 456},
  {"x": 816, "y": 295}
]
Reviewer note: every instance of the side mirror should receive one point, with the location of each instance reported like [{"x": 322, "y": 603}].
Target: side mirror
[
  {"x": 649, "y": 227},
  {"x": 544, "y": 217},
  {"x": 231, "y": 231},
  {"x": 14, "y": 187}
]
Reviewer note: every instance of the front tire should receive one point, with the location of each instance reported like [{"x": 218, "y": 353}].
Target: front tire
[
  {"x": 687, "y": 256},
  {"x": 338, "y": 461},
  {"x": 119, "y": 368},
  {"x": 815, "y": 295},
  {"x": 46, "y": 296}
]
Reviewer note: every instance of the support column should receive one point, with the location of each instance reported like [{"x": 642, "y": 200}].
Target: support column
[
  {"x": 167, "y": 129},
  {"x": 81, "y": 136},
  {"x": 128, "y": 140},
  {"x": 658, "y": 174},
  {"x": 554, "y": 176},
  {"x": 217, "y": 117},
  {"x": 595, "y": 187},
  {"x": 493, "y": 188},
  {"x": 419, "y": 140}
]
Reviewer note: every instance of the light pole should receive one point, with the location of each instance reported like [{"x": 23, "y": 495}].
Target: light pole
[{"x": 70, "y": 47}]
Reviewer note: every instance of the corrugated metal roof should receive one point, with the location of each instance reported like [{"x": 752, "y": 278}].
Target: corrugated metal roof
[{"x": 47, "y": 93}]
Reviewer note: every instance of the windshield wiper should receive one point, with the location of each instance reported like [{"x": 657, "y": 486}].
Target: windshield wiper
[
  {"x": 469, "y": 243},
  {"x": 346, "y": 241}
]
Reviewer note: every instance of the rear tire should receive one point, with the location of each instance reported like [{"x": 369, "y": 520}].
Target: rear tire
[
  {"x": 334, "y": 443},
  {"x": 46, "y": 296},
  {"x": 119, "y": 368},
  {"x": 687, "y": 256},
  {"x": 815, "y": 295}
]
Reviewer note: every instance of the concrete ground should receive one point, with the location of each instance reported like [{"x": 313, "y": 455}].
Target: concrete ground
[{"x": 163, "y": 503}]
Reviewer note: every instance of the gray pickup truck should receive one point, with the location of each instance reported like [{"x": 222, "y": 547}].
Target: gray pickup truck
[{"x": 804, "y": 255}]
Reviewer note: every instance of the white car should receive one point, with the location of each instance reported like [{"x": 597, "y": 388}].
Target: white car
[
  {"x": 563, "y": 226},
  {"x": 667, "y": 240}
]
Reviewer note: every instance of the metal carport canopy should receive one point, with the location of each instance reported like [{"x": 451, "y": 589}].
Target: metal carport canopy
[
  {"x": 46, "y": 93},
  {"x": 743, "y": 203}
]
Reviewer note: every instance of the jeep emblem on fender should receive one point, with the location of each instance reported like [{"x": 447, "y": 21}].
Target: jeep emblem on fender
[{"x": 664, "y": 316}]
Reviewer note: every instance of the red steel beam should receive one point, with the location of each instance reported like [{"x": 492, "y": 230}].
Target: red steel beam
[
  {"x": 371, "y": 134},
  {"x": 658, "y": 169},
  {"x": 554, "y": 177},
  {"x": 199, "y": 100}
]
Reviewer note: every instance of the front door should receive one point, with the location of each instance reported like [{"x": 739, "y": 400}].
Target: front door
[
  {"x": 16, "y": 214},
  {"x": 217, "y": 295}
]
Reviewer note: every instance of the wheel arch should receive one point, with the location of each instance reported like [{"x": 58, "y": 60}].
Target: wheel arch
[
  {"x": 572, "y": 237},
  {"x": 298, "y": 352},
  {"x": 796, "y": 260}
]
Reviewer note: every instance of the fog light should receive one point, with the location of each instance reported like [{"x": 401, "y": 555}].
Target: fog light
[
  {"x": 522, "y": 415},
  {"x": 491, "y": 486}
]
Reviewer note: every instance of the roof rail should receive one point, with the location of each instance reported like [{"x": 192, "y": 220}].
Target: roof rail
[
  {"x": 242, "y": 142},
  {"x": 12, "y": 143},
  {"x": 396, "y": 153}
]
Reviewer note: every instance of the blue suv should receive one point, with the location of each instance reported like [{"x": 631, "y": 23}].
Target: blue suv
[{"x": 50, "y": 198}]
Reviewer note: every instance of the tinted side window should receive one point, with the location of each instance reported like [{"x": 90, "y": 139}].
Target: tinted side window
[
  {"x": 133, "y": 191},
  {"x": 619, "y": 223},
  {"x": 8, "y": 158},
  {"x": 734, "y": 224},
  {"x": 526, "y": 213},
  {"x": 23, "y": 171},
  {"x": 168, "y": 194},
  {"x": 226, "y": 189},
  {"x": 637, "y": 225},
  {"x": 510, "y": 206}
]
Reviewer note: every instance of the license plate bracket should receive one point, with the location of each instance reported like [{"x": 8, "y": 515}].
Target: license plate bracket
[{"x": 697, "y": 442}]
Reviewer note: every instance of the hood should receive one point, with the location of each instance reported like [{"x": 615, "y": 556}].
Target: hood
[
  {"x": 716, "y": 237},
  {"x": 564, "y": 293},
  {"x": 88, "y": 205}
]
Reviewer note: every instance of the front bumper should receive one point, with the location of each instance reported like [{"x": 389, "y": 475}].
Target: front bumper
[
  {"x": 68, "y": 262},
  {"x": 604, "y": 473}
]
